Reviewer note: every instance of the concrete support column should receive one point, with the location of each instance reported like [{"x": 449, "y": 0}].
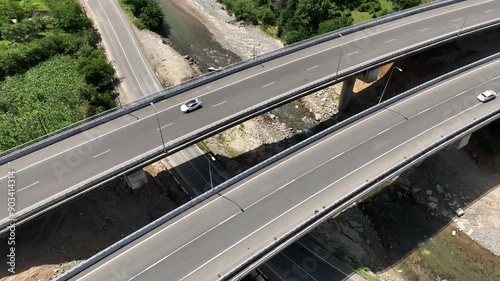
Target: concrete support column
[
  {"x": 136, "y": 179},
  {"x": 462, "y": 142},
  {"x": 370, "y": 75},
  {"x": 346, "y": 93}
]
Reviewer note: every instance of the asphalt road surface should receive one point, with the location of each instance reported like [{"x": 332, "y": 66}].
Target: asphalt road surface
[
  {"x": 118, "y": 37},
  {"x": 53, "y": 171},
  {"x": 216, "y": 236}
]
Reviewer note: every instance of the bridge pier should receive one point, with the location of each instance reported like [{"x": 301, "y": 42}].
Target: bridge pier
[
  {"x": 137, "y": 179},
  {"x": 346, "y": 93},
  {"x": 461, "y": 142},
  {"x": 347, "y": 87}
]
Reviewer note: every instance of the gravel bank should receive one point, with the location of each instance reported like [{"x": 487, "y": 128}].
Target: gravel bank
[
  {"x": 238, "y": 39},
  {"x": 169, "y": 66}
]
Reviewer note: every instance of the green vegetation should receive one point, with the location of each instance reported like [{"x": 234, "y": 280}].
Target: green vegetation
[
  {"x": 32, "y": 103},
  {"x": 367, "y": 274},
  {"x": 296, "y": 20},
  {"x": 51, "y": 72},
  {"x": 146, "y": 14}
]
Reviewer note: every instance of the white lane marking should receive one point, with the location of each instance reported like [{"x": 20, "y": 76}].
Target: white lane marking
[
  {"x": 102, "y": 153},
  {"x": 177, "y": 249},
  {"x": 137, "y": 48},
  {"x": 389, "y": 41},
  {"x": 323, "y": 189},
  {"x": 268, "y": 84},
  {"x": 353, "y": 53},
  {"x": 121, "y": 47},
  {"x": 487, "y": 11},
  {"x": 248, "y": 77},
  {"x": 194, "y": 167},
  {"x": 273, "y": 271},
  {"x": 219, "y": 103},
  {"x": 318, "y": 256},
  {"x": 311, "y": 68},
  {"x": 455, "y": 20},
  {"x": 28, "y": 186},
  {"x": 170, "y": 124},
  {"x": 425, "y": 29},
  {"x": 271, "y": 169},
  {"x": 302, "y": 269}
]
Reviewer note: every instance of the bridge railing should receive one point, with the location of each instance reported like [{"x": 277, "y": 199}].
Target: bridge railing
[{"x": 68, "y": 131}]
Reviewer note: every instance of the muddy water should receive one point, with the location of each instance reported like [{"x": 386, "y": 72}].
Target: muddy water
[{"x": 190, "y": 37}]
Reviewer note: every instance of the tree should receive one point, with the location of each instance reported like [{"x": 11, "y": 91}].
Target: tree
[
  {"x": 95, "y": 68},
  {"x": 152, "y": 16},
  {"x": 405, "y": 4},
  {"x": 266, "y": 15},
  {"x": 69, "y": 15}
]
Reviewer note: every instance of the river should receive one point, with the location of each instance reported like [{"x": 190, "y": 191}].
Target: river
[{"x": 190, "y": 37}]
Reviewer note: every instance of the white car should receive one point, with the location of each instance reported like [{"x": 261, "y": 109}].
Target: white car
[
  {"x": 190, "y": 105},
  {"x": 486, "y": 96}
]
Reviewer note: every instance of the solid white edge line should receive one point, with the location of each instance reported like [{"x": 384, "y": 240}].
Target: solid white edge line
[
  {"x": 121, "y": 46},
  {"x": 137, "y": 48}
]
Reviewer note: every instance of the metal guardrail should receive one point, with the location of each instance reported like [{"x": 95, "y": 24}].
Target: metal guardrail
[
  {"x": 151, "y": 226},
  {"x": 113, "y": 113}
]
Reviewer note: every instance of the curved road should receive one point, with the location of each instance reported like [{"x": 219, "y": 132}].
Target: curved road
[{"x": 50, "y": 173}]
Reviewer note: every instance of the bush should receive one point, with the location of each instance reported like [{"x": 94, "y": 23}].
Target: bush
[
  {"x": 68, "y": 15},
  {"x": 148, "y": 13},
  {"x": 152, "y": 16},
  {"x": 405, "y": 4}
]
